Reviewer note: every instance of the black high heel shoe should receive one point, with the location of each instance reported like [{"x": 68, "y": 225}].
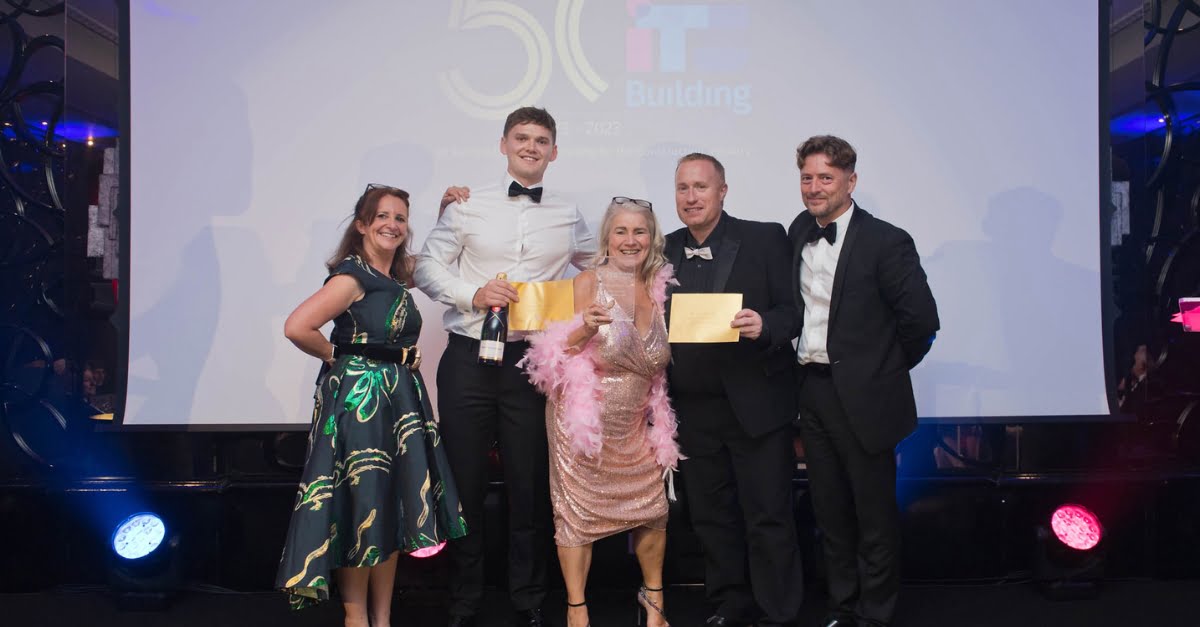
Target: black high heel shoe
[
  {"x": 645, "y": 605},
  {"x": 582, "y": 603}
]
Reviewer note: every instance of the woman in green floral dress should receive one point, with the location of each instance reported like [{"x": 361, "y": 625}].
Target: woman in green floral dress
[{"x": 376, "y": 480}]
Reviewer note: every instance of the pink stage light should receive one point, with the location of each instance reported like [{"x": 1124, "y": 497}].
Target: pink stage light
[
  {"x": 429, "y": 551},
  {"x": 1189, "y": 314},
  {"x": 1076, "y": 527}
]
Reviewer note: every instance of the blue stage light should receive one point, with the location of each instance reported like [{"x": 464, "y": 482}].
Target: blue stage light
[
  {"x": 138, "y": 536},
  {"x": 143, "y": 568}
]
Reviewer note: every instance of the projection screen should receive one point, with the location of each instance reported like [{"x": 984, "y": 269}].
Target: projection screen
[{"x": 253, "y": 127}]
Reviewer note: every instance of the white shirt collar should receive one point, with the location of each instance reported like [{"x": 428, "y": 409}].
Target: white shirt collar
[
  {"x": 509, "y": 179},
  {"x": 843, "y": 221}
]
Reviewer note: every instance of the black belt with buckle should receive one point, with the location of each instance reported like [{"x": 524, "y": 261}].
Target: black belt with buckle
[
  {"x": 818, "y": 369},
  {"x": 408, "y": 356}
]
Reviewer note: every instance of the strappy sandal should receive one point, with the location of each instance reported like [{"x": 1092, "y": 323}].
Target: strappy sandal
[
  {"x": 582, "y": 603},
  {"x": 645, "y": 605}
]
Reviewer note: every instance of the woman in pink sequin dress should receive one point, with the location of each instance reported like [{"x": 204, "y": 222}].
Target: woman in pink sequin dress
[{"x": 610, "y": 428}]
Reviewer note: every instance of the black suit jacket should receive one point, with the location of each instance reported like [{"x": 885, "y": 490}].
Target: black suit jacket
[
  {"x": 882, "y": 321},
  {"x": 758, "y": 375}
]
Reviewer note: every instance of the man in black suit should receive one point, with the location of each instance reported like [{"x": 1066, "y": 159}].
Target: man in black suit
[
  {"x": 868, "y": 317},
  {"x": 736, "y": 403}
]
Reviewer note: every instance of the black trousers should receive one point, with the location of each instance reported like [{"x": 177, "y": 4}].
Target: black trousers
[
  {"x": 739, "y": 492},
  {"x": 477, "y": 406},
  {"x": 854, "y": 499}
]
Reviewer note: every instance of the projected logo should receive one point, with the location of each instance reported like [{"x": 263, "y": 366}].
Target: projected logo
[
  {"x": 663, "y": 40},
  {"x": 472, "y": 14}
]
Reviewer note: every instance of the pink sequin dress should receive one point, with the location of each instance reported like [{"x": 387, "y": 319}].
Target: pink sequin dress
[{"x": 620, "y": 488}]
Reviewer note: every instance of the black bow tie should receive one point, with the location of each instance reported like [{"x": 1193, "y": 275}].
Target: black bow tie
[
  {"x": 516, "y": 189},
  {"x": 829, "y": 232}
]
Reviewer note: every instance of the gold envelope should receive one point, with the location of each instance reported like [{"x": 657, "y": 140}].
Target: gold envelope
[
  {"x": 703, "y": 318},
  {"x": 541, "y": 303}
]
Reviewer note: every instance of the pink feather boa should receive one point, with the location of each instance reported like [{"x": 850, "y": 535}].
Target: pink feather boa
[{"x": 560, "y": 374}]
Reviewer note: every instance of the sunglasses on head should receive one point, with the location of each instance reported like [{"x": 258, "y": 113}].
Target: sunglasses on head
[
  {"x": 625, "y": 200},
  {"x": 371, "y": 186}
]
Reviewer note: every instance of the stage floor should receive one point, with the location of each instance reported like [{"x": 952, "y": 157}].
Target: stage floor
[{"x": 1121, "y": 603}]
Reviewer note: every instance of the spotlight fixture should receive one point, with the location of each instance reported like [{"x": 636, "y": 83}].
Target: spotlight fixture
[
  {"x": 1069, "y": 561},
  {"x": 1076, "y": 526},
  {"x": 143, "y": 570},
  {"x": 138, "y": 536}
]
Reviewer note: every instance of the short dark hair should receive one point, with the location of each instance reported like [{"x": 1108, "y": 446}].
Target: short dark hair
[
  {"x": 840, "y": 153},
  {"x": 699, "y": 156},
  {"x": 532, "y": 115}
]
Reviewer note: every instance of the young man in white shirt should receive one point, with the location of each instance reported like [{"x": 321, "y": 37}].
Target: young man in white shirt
[{"x": 531, "y": 234}]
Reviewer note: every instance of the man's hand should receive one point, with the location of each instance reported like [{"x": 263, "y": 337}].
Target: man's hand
[
  {"x": 454, "y": 194},
  {"x": 496, "y": 293},
  {"x": 748, "y": 323}
]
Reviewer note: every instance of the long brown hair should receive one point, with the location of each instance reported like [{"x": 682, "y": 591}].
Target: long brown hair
[{"x": 364, "y": 212}]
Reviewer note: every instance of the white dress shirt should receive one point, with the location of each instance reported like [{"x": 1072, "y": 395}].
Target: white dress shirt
[
  {"x": 492, "y": 233},
  {"x": 818, "y": 263}
]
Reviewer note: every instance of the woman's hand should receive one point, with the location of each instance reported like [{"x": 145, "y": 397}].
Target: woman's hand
[{"x": 594, "y": 317}]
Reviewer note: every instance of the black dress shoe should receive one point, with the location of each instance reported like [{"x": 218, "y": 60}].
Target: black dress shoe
[
  {"x": 834, "y": 621},
  {"x": 529, "y": 618},
  {"x": 461, "y": 621}
]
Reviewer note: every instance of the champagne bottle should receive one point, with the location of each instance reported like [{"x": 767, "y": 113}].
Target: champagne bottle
[{"x": 494, "y": 333}]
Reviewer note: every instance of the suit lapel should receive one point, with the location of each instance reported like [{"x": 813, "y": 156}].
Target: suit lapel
[
  {"x": 797, "y": 258},
  {"x": 728, "y": 253},
  {"x": 674, "y": 249},
  {"x": 839, "y": 275}
]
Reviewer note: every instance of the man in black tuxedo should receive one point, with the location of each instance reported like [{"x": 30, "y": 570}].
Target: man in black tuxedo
[
  {"x": 736, "y": 403},
  {"x": 868, "y": 317}
]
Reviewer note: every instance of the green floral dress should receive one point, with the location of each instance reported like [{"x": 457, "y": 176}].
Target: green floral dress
[{"x": 376, "y": 479}]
